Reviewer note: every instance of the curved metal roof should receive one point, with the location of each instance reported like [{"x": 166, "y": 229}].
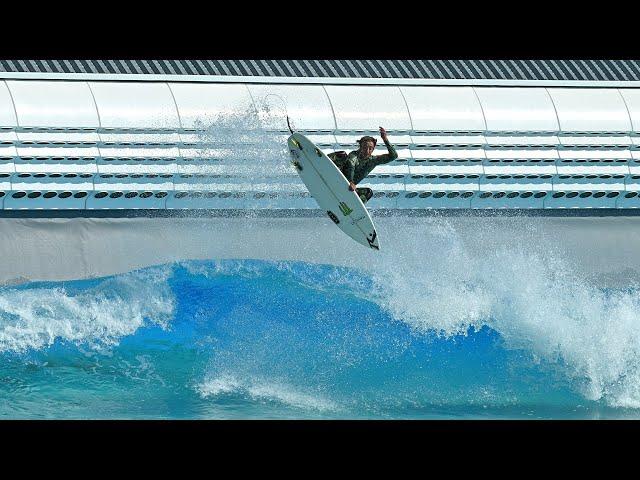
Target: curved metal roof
[{"x": 566, "y": 70}]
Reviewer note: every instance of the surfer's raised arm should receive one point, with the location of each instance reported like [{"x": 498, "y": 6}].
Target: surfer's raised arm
[{"x": 386, "y": 157}]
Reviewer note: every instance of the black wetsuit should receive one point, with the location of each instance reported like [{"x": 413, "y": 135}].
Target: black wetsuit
[{"x": 355, "y": 169}]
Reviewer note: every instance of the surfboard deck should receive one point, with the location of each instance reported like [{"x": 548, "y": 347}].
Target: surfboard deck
[{"x": 330, "y": 189}]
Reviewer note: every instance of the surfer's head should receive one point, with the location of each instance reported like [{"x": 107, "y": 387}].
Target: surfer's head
[{"x": 367, "y": 145}]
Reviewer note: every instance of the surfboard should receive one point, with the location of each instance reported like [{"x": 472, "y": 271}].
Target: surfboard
[{"x": 330, "y": 189}]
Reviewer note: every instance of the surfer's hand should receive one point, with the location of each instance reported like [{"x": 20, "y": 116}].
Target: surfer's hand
[
  {"x": 383, "y": 134},
  {"x": 352, "y": 186}
]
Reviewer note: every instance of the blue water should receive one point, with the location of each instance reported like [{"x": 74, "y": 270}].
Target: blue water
[{"x": 255, "y": 339}]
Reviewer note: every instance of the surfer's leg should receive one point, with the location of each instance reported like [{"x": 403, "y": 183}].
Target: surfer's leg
[{"x": 364, "y": 193}]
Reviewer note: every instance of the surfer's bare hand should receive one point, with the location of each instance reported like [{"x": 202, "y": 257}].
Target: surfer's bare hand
[
  {"x": 352, "y": 186},
  {"x": 383, "y": 134}
]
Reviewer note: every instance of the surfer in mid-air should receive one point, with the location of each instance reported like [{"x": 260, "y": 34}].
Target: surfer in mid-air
[{"x": 356, "y": 165}]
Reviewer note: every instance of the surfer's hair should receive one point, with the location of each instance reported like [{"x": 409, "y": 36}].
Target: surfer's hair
[{"x": 366, "y": 138}]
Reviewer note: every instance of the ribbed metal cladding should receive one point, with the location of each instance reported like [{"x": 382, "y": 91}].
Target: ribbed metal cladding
[{"x": 579, "y": 70}]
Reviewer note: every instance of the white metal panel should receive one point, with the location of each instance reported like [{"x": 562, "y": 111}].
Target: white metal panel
[
  {"x": 138, "y": 137},
  {"x": 590, "y": 110},
  {"x": 135, "y": 105},
  {"x": 581, "y": 200},
  {"x": 384, "y": 182},
  {"x": 121, "y": 182},
  {"x": 68, "y": 165},
  {"x": 464, "y": 168},
  {"x": 448, "y": 140},
  {"x": 632, "y": 183},
  {"x": 596, "y": 168},
  {"x": 634, "y": 166},
  {"x": 533, "y": 140},
  {"x": 61, "y": 201},
  {"x": 631, "y": 98},
  {"x": 515, "y": 183},
  {"x": 46, "y": 151},
  {"x": 307, "y": 106},
  {"x": 503, "y": 200},
  {"x": 594, "y": 154},
  {"x": 430, "y": 200},
  {"x": 199, "y": 182},
  {"x": 7, "y": 165},
  {"x": 367, "y": 108},
  {"x": 445, "y": 153},
  {"x": 444, "y": 109},
  {"x": 520, "y": 168},
  {"x": 628, "y": 200},
  {"x": 325, "y": 140},
  {"x": 57, "y": 137},
  {"x": 592, "y": 182},
  {"x": 528, "y": 153},
  {"x": 7, "y": 150},
  {"x": 7, "y": 112},
  {"x": 53, "y": 104},
  {"x": 441, "y": 183},
  {"x": 200, "y": 104},
  {"x": 155, "y": 166},
  {"x": 595, "y": 140},
  {"x": 517, "y": 109},
  {"x": 162, "y": 152},
  {"x": 150, "y": 200},
  {"x": 392, "y": 168},
  {"x": 41, "y": 181},
  {"x": 5, "y": 181}
]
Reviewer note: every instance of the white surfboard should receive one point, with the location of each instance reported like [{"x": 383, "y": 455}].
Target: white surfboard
[{"x": 328, "y": 186}]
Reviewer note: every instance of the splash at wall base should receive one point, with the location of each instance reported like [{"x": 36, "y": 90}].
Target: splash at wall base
[{"x": 601, "y": 249}]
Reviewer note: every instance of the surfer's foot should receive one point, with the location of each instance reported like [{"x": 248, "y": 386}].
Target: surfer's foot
[{"x": 365, "y": 194}]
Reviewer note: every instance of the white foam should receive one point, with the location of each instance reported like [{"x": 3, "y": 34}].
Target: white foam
[
  {"x": 531, "y": 296},
  {"x": 264, "y": 389},
  {"x": 34, "y": 318},
  {"x": 246, "y": 143}
]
